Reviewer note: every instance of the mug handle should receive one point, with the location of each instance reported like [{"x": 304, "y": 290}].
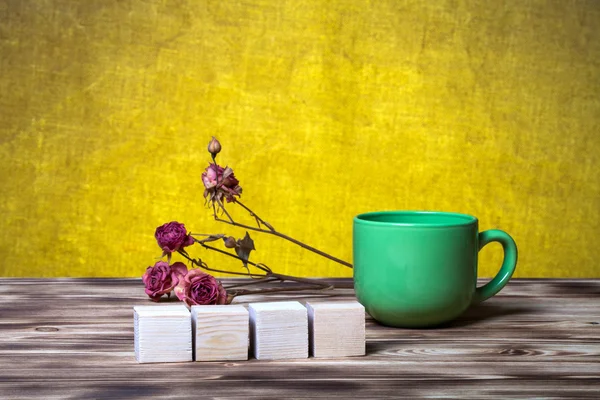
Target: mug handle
[{"x": 508, "y": 265}]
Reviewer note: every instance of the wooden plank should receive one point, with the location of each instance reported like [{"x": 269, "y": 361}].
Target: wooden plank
[{"x": 73, "y": 338}]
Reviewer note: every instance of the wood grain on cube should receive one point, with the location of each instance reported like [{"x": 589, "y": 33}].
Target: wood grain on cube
[
  {"x": 278, "y": 330},
  {"x": 220, "y": 332},
  {"x": 336, "y": 329},
  {"x": 162, "y": 333}
]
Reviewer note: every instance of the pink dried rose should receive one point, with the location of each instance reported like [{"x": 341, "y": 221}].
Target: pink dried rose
[
  {"x": 200, "y": 288},
  {"x": 220, "y": 182},
  {"x": 162, "y": 278},
  {"x": 172, "y": 237}
]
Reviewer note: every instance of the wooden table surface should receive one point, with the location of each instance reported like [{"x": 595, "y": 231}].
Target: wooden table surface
[{"x": 73, "y": 338}]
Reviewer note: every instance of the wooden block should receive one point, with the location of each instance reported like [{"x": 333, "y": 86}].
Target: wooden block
[
  {"x": 278, "y": 330},
  {"x": 162, "y": 333},
  {"x": 336, "y": 329},
  {"x": 220, "y": 332}
]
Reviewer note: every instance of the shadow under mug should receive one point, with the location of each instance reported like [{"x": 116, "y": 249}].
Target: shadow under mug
[{"x": 419, "y": 268}]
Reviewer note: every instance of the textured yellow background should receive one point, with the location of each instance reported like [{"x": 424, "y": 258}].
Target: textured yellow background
[{"x": 325, "y": 109}]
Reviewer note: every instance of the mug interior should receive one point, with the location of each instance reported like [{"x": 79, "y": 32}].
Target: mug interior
[{"x": 416, "y": 218}]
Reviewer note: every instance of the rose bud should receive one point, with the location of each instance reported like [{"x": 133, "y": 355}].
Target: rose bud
[
  {"x": 230, "y": 242},
  {"x": 172, "y": 237},
  {"x": 200, "y": 288},
  {"x": 214, "y": 147}
]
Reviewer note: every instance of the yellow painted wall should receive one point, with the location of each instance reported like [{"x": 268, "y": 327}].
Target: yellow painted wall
[{"x": 325, "y": 109}]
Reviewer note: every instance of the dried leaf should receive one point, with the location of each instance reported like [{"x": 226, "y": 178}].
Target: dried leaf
[{"x": 244, "y": 247}]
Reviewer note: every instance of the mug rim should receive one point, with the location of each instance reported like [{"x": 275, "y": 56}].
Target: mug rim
[{"x": 461, "y": 219}]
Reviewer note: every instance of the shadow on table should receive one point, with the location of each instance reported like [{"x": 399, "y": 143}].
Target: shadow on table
[
  {"x": 479, "y": 313},
  {"x": 484, "y": 312}
]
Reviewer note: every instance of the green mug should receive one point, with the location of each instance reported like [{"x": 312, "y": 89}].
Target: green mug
[{"x": 419, "y": 268}]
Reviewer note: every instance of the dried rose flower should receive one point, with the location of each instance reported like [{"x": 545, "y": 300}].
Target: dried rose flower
[
  {"x": 200, "y": 288},
  {"x": 172, "y": 237},
  {"x": 220, "y": 182},
  {"x": 214, "y": 147},
  {"x": 162, "y": 278}
]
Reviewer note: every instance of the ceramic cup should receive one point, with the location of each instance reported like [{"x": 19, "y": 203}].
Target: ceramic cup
[{"x": 419, "y": 268}]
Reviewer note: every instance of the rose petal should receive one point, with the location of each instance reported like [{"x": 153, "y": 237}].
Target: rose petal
[{"x": 179, "y": 268}]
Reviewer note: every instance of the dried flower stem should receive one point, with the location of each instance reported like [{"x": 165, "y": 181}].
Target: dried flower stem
[
  {"x": 256, "y": 281},
  {"x": 270, "y": 230},
  {"x": 268, "y": 276},
  {"x": 244, "y": 292},
  {"x": 269, "y": 272},
  {"x": 203, "y": 265}
]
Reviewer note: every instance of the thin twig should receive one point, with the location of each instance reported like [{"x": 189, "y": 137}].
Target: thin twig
[
  {"x": 259, "y": 266},
  {"x": 222, "y": 206},
  {"x": 286, "y": 237},
  {"x": 244, "y": 292},
  {"x": 269, "y": 276},
  {"x": 205, "y": 266},
  {"x": 269, "y": 272},
  {"x": 265, "y": 279},
  {"x": 253, "y": 214},
  {"x": 309, "y": 281},
  {"x": 214, "y": 209}
]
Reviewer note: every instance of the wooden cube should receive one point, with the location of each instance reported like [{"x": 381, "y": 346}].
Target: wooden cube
[
  {"x": 336, "y": 329},
  {"x": 220, "y": 332},
  {"x": 162, "y": 333},
  {"x": 278, "y": 330}
]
